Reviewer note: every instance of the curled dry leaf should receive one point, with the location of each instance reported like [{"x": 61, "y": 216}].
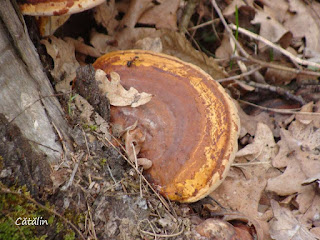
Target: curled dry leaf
[
  {"x": 155, "y": 15},
  {"x": 133, "y": 139},
  {"x": 271, "y": 29},
  {"x": 263, "y": 147},
  {"x": 65, "y": 63},
  {"x": 117, "y": 94},
  {"x": 302, "y": 15},
  {"x": 105, "y": 14},
  {"x": 286, "y": 226}
]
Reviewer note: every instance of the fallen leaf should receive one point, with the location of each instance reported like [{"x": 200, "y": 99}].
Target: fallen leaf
[
  {"x": 299, "y": 155},
  {"x": 162, "y": 15},
  {"x": 65, "y": 63},
  {"x": 286, "y": 226},
  {"x": 271, "y": 29},
  {"x": 117, "y": 94},
  {"x": 263, "y": 148},
  {"x": 105, "y": 14},
  {"x": 302, "y": 15}
]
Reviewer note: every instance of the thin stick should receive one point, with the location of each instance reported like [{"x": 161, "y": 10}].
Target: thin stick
[
  {"x": 204, "y": 24},
  {"x": 278, "y": 90},
  {"x": 249, "y": 57},
  {"x": 274, "y": 46},
  {"x": 240, "y": 75},
  {"x": 65, "y": 187},
  {"x": 283, "y": 111}
]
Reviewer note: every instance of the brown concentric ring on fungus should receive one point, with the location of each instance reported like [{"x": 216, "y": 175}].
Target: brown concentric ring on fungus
[
  {"x": 56, "y": 7},
  {"x": 191, "y": 124}
]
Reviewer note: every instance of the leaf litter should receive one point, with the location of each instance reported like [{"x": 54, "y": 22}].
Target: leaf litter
[{"x": 274, "y": 181}]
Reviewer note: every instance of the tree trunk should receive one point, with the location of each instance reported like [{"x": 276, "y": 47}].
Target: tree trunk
[{"x": 26, "y": 95}]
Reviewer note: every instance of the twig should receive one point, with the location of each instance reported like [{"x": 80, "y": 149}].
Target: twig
[
  {"x": 240, "y": 75},
  {"x": 274, "y": 46},
  {"x": 65, "y": 187},
  {"x": 204, "y": 24},
  {"x": 282, "y": 111},
  {"x": 278, "y": 90},
  {"x": 111, "y": 175},
  {"x": 249, "y": 57},
  {"x": 8, "y": 191}
]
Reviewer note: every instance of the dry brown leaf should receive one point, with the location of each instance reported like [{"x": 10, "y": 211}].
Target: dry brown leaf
[
  {"x": 105, "y": 14},
  {"x": 133, "y": 140},
  {"x": 65, "y": 63},
  {"x": 276, "y": 8},
  {"x": 307, "y": 119},
  {"x": 134, "y": 12},
  {"x": 263, "y": 148},
  {"x": 286, "y": 226},
  {"x": 270, "y": 29},
  {"x": 231, "y": 8},
  {"x": 279, "y": 77},
  {"x": 224, "y": 51},
  {"x": 148, "y": 43},
  {"x": 83, "y": 48},
  {"x": 302, "y": 15},
  {"x": 242, "y": 190},
  {"x": 117, "y": 94},
  {"x": 300, "y": 155},
  {"x": 175, "y": 44},
  {"x": 162, "y": 15},
  {"x": 85, "y": 108}
]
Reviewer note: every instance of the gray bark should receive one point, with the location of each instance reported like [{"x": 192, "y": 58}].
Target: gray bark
[{"x": 23, "y": 82}]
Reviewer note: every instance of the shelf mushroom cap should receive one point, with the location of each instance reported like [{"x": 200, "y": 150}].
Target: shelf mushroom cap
[
  {"x": 191, "y": 124},
  {"x": 56, "y": 7}
]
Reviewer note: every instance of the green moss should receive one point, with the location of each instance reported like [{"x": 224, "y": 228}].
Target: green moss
[
  {"x": 15, "y": 207},
  {"x": 103, "y": 162}
]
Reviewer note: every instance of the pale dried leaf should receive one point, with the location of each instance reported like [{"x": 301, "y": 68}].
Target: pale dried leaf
[
  {"x": 303, "y": 15},
  {"x": 263, "y": 147},
  {"x": 286, "y": 226},
  {"x": 117, "y": 94},
  {"x": 177, "y": 45},
  {"x": 65, "y": 63},
  {"x": 224, "y": 51},
  {"x": 105, "y": 14},
  {"x": 145, "y": 163},
  {"x": 270, "y": 29},
  {"x": 151, "y": 44},
  {"x": 276, "y": 8},
  {"x": 134, "y": 12},
  {"x": 85, "y": 108},
  {"x": 162, "y": 15},
  {"x": 83, "y": 48}
]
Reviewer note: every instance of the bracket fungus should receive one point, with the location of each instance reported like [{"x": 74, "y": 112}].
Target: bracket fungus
[
  {"x": 191, "y": 125},
  {"x": 56, "y": 7}
]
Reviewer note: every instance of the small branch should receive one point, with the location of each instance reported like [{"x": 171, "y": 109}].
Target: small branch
[
  {"x": 204, "y": 24},
  {"x": 282, "y": 111},
  {"x": 278, "y": 90},
  {"x": 249, "y": 57},
  {"x": 274, "y": 46},
  {"x": 240, "y": 75}
]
